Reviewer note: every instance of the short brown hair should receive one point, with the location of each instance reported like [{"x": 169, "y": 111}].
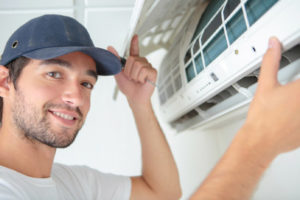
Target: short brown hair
[{"x": 15, "y": 68}]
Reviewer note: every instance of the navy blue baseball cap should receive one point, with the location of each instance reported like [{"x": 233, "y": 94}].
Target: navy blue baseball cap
[{"x": 51, "y": 36}]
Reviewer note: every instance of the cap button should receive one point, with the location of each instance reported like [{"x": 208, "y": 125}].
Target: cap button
[{"x": 15, "y": 44}]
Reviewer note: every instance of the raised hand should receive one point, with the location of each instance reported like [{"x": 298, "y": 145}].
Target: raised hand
[
  {"x": 132, "y": 80},
  {"x": 274, "y": 112}
]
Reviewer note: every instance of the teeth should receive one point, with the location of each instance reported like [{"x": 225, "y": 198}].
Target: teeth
[{"x": 64, "y": 116}]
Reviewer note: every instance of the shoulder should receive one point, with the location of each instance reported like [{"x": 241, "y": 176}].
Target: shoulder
[
  {"x": 79, "y": 170},
  {"x": 9, "y": 187},
  {"x": 92, "y": 180}
]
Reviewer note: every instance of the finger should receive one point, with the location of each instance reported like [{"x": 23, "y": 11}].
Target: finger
[
  {"x": 136, "y": 70},
  {"x": 137, "y": 63},
  {"x": 152, "y": 75},
  {"x": 129, "y": 66},
  {"x": 270, "y": 65},
  {"x": 147, "y": 73},
  {"x": 134, "y": 46},
  {"x": 142, "y": 75},
  {"x": 113, "y": 51}
]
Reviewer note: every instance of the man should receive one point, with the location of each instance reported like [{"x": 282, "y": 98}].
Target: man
[
  {"x": 46, "y": 100},
  {"x": 47, "y": 73},
  {"x": 271, "y": 128}
]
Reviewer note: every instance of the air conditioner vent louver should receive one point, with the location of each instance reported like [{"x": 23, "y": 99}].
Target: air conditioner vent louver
[
  {"x": 247, "y": 81},
  {"x": 230, "y": 91},
  {"x": 170, "y": 91},
  {"x": 188, "y": 119},
  {"x": 290, "y": 55},
  {"x": 178, "y": 82}
]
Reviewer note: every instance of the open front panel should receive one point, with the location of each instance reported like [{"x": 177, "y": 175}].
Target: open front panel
[{"x": 214, "y": 53}]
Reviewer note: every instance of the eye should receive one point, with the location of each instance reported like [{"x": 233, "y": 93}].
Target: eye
[
  {"x": 55, "y": 75},
  {"x": 88, "y": 85}
]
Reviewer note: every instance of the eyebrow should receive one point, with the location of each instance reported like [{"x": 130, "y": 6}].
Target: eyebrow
[{"x": 67, "y": 64}]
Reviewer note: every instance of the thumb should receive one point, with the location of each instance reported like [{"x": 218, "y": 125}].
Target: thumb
[
  {"x": 270, "y": 65},
  {"x": 134, "y": 46},
  {"x": 113, "y": 51}
]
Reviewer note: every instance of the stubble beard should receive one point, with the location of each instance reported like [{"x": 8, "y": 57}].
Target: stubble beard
[{"x": 35, "y": 125}]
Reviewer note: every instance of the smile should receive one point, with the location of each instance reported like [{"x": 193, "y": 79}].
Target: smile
[{"x": 64, "y": 116}]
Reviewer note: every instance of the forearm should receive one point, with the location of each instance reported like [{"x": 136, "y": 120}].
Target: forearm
[
  {"x": 239, "y": 171},
  {"x": 159, "y": 168}
]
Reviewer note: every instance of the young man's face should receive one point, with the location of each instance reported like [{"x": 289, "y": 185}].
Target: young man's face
[{"x": 52, "y": 98}]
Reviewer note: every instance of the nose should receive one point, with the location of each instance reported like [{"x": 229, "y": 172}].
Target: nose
[{"x": 72, "y": 94}]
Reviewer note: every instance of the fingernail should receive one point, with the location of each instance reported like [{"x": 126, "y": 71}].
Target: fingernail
[{"x": 271, "y": 43}]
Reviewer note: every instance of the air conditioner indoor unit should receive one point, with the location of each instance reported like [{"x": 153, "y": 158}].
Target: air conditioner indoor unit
[{"x": 215, "y": 49}]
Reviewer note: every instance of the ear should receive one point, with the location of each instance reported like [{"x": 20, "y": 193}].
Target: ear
[{"x": 4, "y": 79}]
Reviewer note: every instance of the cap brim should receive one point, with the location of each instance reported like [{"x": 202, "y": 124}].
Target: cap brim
[{"x": 106, "y": 62}]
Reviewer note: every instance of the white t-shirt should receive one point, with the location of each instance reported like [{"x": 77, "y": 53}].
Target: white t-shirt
[{"x": 66, "y": 182}]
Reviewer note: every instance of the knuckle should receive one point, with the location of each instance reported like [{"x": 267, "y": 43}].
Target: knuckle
[
  {"x": 154, "y": 71},
  {"x": 143, "y": 70},
  {"x": 130, "y": 58},
  {"x": 145, "y": 60}
]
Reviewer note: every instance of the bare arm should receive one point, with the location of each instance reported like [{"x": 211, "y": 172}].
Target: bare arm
[
  {"x": 272, "y": 127},
  {"x": 238, "y": 172},
  {"x": 159, "y": 175},
  {"x": 159, "y": 178}
]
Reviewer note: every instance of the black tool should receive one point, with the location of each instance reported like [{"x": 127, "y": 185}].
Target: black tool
[{"x": 123, "y": 62}]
